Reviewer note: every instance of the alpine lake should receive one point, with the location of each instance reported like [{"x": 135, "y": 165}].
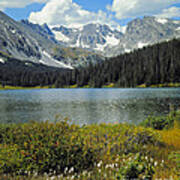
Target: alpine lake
[{"x": 87, "y": 106}]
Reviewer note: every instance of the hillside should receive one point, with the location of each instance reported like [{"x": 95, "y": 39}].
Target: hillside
[
  {"x": 36, "y": 43},
  {"x": 157, "y": 64}
]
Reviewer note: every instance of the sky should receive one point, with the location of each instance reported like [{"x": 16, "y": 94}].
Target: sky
[{"x": 75, "y": 13}]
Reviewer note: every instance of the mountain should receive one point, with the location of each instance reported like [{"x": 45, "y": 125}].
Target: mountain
[
  {"x": 74, "y": 47},
  {"x": 146, "y": 31},
  {"x": 91, "y": 36},
  {"x": 101, "y": 38},
  {"x": 36, "y": 43}
]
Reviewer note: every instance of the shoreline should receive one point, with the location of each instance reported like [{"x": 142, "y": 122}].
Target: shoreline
[{"x": 166, "y": 85}]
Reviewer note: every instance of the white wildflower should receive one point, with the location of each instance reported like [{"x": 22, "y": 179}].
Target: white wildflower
[
  {"x": 71, "y": 170},
  {"x": 84, "y": 173},
  {"x": 99, "y": 164},
  {"x": 155, "y": 163},
  {"x": 65, "y": 170}
]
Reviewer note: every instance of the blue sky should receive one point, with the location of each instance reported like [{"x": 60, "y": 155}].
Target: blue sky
[
  {"x": 79, "y": 12},
  {"x": 23, "y": 13}
]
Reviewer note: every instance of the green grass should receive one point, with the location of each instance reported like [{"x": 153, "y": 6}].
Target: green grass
[
  {"x": 110, "y": 85},
  {"x": 42, "y": 150},
  {"x": 159, "y": 85},
  {"x": 7, "y": 87}
]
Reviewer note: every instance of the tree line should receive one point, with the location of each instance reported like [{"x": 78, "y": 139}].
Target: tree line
[{"x": 157, "y": 64}]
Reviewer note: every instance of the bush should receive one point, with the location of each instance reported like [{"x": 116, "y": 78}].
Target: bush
[
  {"x": 43, "y": 148},
  {"x": 162, "y": 122},
  {"x": 175, "y": 156},
  {"x": 137, "y": 166}
]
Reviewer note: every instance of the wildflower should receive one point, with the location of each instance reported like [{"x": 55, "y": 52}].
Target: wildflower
[
  {"x": 72, "y": 177},
  {"x": 155, "y": 163},
  {"x": 116, "y": 165},
  {"x": 65, "y": 170},
  {"x": 89, "y": 174},
  {"x": 99, "y": 164},
  {"x": 71, "y": 170},
  {"x": 35, "y": 174},
  {"x": 60, "y": 176},
  {"x": 84, "y": 173}
]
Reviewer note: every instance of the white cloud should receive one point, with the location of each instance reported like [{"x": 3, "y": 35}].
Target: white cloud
[
  {"x": 66, "y": 12},
  {"x": 18, "y": 3},
  {"x": 133, "y": 8},
  {"x": 169, "y": 13}
]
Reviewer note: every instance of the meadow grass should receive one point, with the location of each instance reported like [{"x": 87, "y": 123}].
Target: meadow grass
[
  {"x": 45, "y": 150},
  {"x": 7, "y": 87}
]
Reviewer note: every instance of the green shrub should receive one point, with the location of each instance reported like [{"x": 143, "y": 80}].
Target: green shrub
[
  {"x": 175, "y": 156},
  {"x": 162, "y": 122},
  {"x": 137, "y": 166},
  {"x": 43, "y": 148}
]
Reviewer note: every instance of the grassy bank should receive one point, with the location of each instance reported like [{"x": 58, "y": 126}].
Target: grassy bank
[
  {"x": 160, "y": 85},
  {"x": 106, "y": 151},
  {"x": 7, "y": 87},
  {"x": 111, "y": 85}
]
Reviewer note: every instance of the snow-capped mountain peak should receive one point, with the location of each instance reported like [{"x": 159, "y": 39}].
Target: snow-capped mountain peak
[{"x": 95, "y": 37}]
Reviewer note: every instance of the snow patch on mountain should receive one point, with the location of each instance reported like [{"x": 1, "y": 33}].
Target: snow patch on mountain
[
  {"x": 112, "y": 40},
  {"x": 85, "y": 45},
  {"x": 123, "y": 29},
  {"x": 178, "y": 29},
  {"x": 161, "y": 20},
  {"x": 127, "y": 50},
  {"x": 60, "y": 36},
  {"x": 100, "y": 47},
  {"x": 48, "y": 60},
  {"x": 141, "y": 45},
  {"x": 2, "y": 61},
  {"x": 78, "y": 43}
]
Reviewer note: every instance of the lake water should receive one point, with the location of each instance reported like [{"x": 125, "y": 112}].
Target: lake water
[{"x": 86, "y": 106}]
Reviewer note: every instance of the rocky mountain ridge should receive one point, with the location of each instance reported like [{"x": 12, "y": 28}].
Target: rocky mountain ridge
[
  {"x": 73, "y": 47},
  {"x": 101, "y": 38},
  {"x": 32, "y": 42}
]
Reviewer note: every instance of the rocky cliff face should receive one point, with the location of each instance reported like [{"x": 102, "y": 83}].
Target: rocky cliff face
[
  {"x": 101, "y": 38},
  {"x": 14, "y": 41}
]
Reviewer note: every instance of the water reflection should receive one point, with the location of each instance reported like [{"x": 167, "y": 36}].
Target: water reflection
[{"x": 86, "y": 106}]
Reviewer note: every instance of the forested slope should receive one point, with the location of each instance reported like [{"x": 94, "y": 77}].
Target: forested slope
[
  {"x": 151, "y": 65},
  {"x": 155, "y": 64}
]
